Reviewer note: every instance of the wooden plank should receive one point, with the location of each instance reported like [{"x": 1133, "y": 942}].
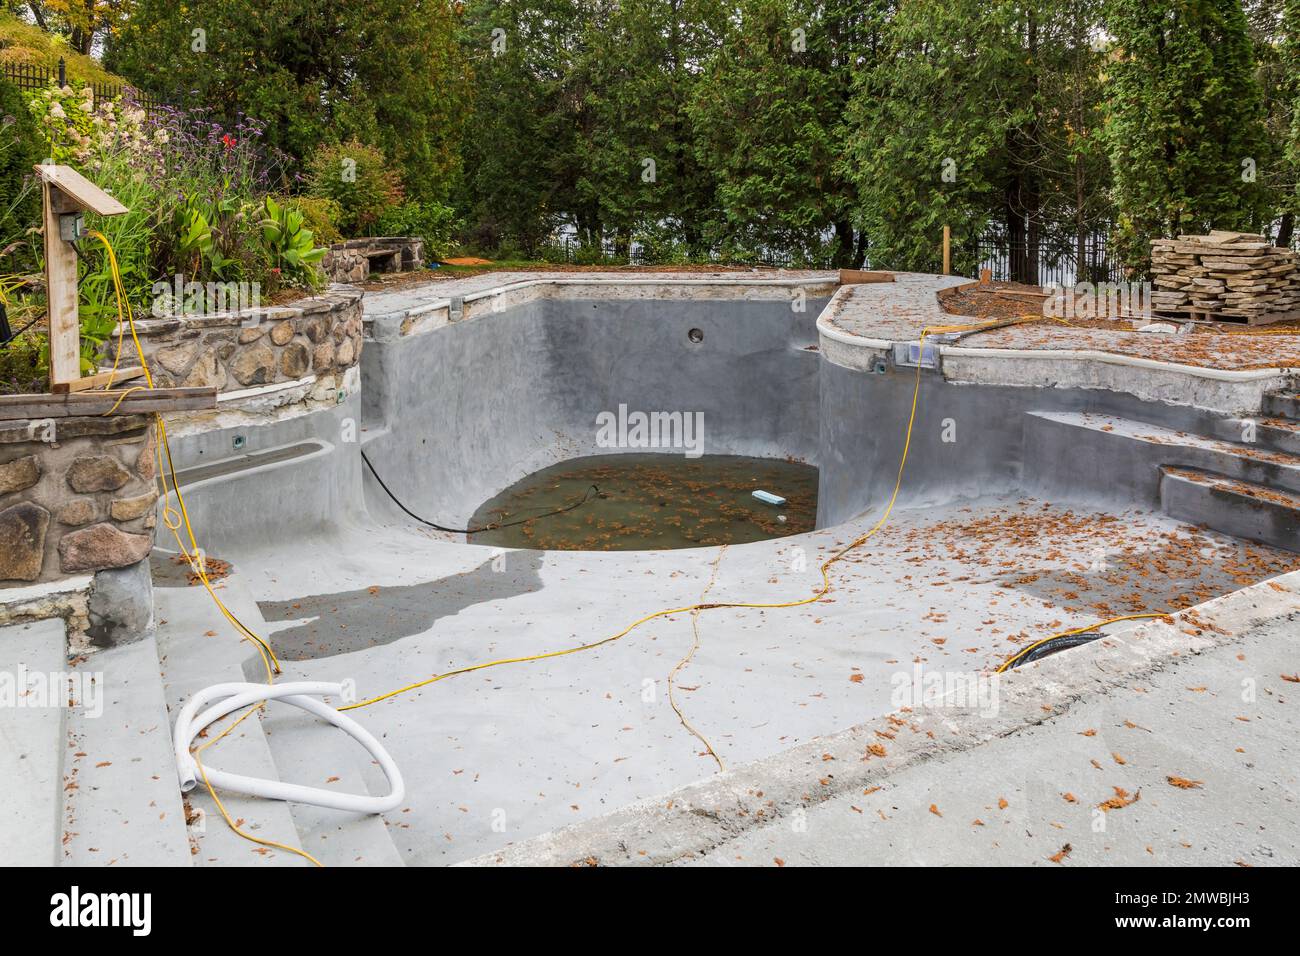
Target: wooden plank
[
  {"x": 101, "y": 379},
  {"x": 81, "y": 191},
  {"x": 61, "y": 295},
  {"x": 858, "y": 276},
  {"x": 72, "y": 404},
  {"x": 947, "y": 250}
]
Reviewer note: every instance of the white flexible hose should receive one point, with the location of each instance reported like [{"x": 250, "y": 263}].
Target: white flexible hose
[{"x": 231, "y": 697}]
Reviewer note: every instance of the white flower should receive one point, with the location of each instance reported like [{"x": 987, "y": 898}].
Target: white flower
[
  {"x": 160, "y": 136},
  {"x": 57, "y": 111}
]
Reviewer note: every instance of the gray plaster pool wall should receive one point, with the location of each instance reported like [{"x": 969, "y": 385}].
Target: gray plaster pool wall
[
  {"x": 291, "y": 477},
  {"x": 997, "y": 446},
  {"x": 452, "y": 416},
  {"x": 455, "y": 415}
]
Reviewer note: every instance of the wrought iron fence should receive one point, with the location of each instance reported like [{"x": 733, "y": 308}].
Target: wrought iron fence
[
  {"x": 34, "y": 78},
  {"x": 1054, "y": 259}
]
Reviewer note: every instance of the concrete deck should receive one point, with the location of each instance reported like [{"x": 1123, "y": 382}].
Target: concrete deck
[
  {"x": 901, "y": 310},
  {"x": 1172, "y": 743}
]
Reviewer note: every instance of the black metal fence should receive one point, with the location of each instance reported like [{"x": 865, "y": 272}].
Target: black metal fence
[
  {"x": 33, "y": 78},
  {"x": 569, "y": 251},
  {"x": 1054, "y": 259}
]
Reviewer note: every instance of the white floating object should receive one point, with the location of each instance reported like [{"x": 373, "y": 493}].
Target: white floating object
[{"x": 769, "y": 499}]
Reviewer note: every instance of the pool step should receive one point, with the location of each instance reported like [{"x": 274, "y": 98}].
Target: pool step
[
  {"x": 33, "y": 741},
  {"x": 311, "y": 752},
  {"x": 1242, "y": 509},
  {"x": 122, "y": 805},
  {"x": 1284, "y": 403},
  {"x": 198, "y": 647},
  {"x": 1109, "y": 455},
  {"x": 1277, "y": 434}
]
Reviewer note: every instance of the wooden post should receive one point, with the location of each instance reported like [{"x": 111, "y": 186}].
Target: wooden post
[
  {"x": 947, "y": 251},
  {"x": 67, "y": 194},
  {"x": 61, "y": 294}
]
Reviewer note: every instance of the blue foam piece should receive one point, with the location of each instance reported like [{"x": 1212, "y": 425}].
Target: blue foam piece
[{"x": 769, "y": 498}]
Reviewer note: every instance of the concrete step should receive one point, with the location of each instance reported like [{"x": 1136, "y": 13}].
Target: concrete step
[
  {"x": 1284, "y": 403},
  {"x": 33, "y": 713},
  {"x": 122, "y": 806},
  {"x": 311, "y": 752},
  {"x": 1100, "y": 453},
  {"x": 198, "y": 647},
  {"x": 1231, "y": 506},
  {"x": 1275, "y": 434}
]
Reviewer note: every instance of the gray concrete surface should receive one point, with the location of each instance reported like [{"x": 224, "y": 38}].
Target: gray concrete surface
[
  {"x": 32, "y": 720},
  {"x": 121, "y": 806},
  {"x": 1170, "y": 743},
  {"x": 1222, "y": 725}
]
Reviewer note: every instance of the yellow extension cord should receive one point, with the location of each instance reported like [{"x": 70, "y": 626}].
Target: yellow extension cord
[{"x": 175, "y": 520}]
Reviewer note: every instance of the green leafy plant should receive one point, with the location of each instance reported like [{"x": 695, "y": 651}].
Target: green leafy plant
[
  {"x": 433, "y": 222},
  {"x": 360, "y": 179},
  {"x": 290, "y": 244}
]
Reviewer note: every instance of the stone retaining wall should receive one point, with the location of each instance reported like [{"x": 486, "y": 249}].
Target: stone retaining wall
[
  {"x": 231, "y": 351},
  {"x": 77, "y": 495},
  {"x": 354, "y": 260}
]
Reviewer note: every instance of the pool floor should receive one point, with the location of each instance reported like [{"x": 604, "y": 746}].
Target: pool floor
[{"x": 641, "y": 502}]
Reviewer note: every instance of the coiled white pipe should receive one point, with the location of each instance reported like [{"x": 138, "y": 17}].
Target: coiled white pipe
[{"x": 231, "y": 697}]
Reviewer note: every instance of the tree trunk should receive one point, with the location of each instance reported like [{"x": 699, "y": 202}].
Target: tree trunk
[{"x": 1286, "y": 229}]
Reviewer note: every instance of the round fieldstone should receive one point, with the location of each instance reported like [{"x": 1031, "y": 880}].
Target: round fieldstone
[
  {"x": 343, "y": 354},
  {"x": 251, "y": 335},
  {"x": 128, "y": 509},
  {"x": 77, "y": 512},
  {"x": 282, "y": 333},
  {"x": 254, "y": 365},
  {"x": 146, "y": 465},
  {"x": 295, "y": 360},
  {"x": 323, "y": 357},
  {"x": 317, "y": 330},
  {"x": 93, "y": 473},
  {"x": 177, "y": 358},
  {"x": 102, "y": 546},
  {"x": 19, "y": 474},
  {"x": 22, "y": 541},
  {"x": 207, "y": 372}
]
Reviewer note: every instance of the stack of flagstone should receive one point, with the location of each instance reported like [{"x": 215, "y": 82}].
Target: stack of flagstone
[{"x": 1236, "y": 276}]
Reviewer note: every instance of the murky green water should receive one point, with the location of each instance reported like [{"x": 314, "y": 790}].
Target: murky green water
[{"x": 651, "y": 502}]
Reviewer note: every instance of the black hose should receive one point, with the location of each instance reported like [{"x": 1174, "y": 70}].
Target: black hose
[
  {"x": 486, "y": 527},
  {"x": 1048, "y": 648}
]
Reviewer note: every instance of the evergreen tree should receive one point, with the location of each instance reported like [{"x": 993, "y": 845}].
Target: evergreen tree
[
  {"x": 521, "y": 140},
  {"x": 387, "y": 72},
  {"x": 936, "y": 123},
  {"x": 1184, "y": 121},
  {"x": 639, "y": 173},
  {"x": 768, "y": 120}
]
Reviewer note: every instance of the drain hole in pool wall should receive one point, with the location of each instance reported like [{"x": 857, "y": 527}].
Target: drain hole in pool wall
[
  {"x": 696, "y": 336},
  {"x": 651, "y": 502}
]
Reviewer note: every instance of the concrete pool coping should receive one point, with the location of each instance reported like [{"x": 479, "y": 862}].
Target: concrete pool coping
[
  {"x": 701, "y": 819},
  {"x": 861, "y": 324}
]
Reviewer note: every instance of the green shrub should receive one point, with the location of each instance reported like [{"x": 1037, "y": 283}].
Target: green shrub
[
  {"x": 23, "y": 365},
  {"x": 319, "y": 214},
  {"x": 20, "y": 202},
  {"x": 431, "y": 221},
  {"x": 357, "y": 177}
]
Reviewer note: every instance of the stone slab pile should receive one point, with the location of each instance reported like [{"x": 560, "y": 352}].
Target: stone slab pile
[{"x": 1236, "y": 276}]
